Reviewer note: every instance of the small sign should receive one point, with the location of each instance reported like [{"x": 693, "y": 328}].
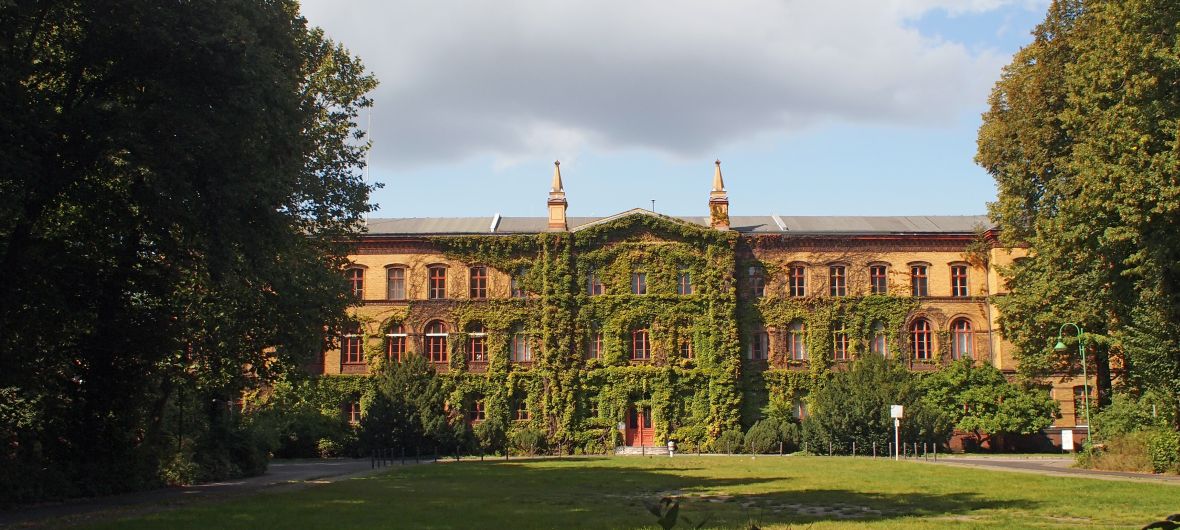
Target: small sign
[
  {"x": 895, "y": 411},
  {"x": 622, "y": 426},
  {"x": 1067, "y": 439}
]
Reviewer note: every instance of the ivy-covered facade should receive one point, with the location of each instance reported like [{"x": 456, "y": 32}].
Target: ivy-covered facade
[{"x": 638, "y": 328}]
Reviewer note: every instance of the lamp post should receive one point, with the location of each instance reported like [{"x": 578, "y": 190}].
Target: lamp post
[{"x": 1060, "y": 348}]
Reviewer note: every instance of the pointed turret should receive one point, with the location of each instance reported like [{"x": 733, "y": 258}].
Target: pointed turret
[
  {"x": 557, "y": 202},
  {"x": 718, "y": 201}
]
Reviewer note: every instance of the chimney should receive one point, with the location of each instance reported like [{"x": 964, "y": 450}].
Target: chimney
[
  {"x": 718, "y": 201},
  {"x": 557, "y": 202}
]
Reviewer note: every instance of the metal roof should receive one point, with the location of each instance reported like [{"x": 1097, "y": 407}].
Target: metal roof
[{"x": 753, "y": 224}]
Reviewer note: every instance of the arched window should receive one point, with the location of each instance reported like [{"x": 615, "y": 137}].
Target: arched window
[
  {"x": 839, "y": 342},
  {"x": 395, "y": 283},
  {"x": 837, "y": 280},
  {"x": 797, "y": 281},
  {"x": 477, "y": 342},
  {"x": 436, "y": 341},
  {"x": 352, "y": 345},
  {"x": 437, "y": 282},
  {"x": 356, "y": 281},
  {"x": 522, "y": 346},
  {"x": 880, "y": 344},
  {"x": 959, "y": 281},
  {"x": 477, "y": 282},
  {"x": 961, "y": 339},
  {"x": 797, "y": 341},
  {"x": 759, "y": 345},
  {"x": 918, "y": 283},
  {"x": 395, "y": 342},
  {"x": 878, "y": 279},
  {"x": 640, "y": 345},
  {"x": 921, "y": 341}
]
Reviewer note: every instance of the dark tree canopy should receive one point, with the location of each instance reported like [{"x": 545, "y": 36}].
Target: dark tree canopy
[
  {"x": 1082, "y": 139},
  {"x": 179, "y": 179}
]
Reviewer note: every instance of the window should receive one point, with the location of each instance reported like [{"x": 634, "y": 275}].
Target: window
[
  {"x": 959, "y": 280},
  {"x": 836, "y": 280},
  {"x": 961, "y": 339},
  {"x": 437, "y": 282},
  {"x": 356, "y": 281},
  {"x": 759, "y": 345},
  {"x": 686, "y": 349},
  {"x": 799, "y": 409},
  {"x": 921, "y": 344},
  {"x": 593, "y": 408},
  {"x": 878, "y": 280},
  {"x": 594, "y": 343},
  {"x": 1079, "y": 405},
  {"x": 352, "y": 346},
  {"x": 880, "y": 344},
  {"x": 639, "y": 283},
  {"x": 522, "y": 347},
  {"x": 594, "y": 284},
  {"x": 839, "y": 342},
  {"x": 797, "y": 281},
  {"x": 684, "y": 282},
  {"x": 477, "y": 411},
  {"x": 918, "y": 280},
  {"x": 353, "y": 411},
  {"x": 757, "y": 282},
  {"x": 797, "y": 341},
  {"x": 640, "y": 345},
  {"x": 522, "y": 411},
  {"x": 395, "y": 343},
  {"x": 436, "y": 342},
  {"x": 517, "y": 288},
  {"x": 478, "y": 285},
  {"x": 395, "y": 283},
  {"x": 477, "y": 342}
]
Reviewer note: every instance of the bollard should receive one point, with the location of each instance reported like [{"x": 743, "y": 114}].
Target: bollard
[
  {"x": 935, "y": 452},
  {"x": 891, "y": 449},
  {"x": 829, "y": 448},
  {"x": 780, "y": 449},
  {"x": 854, "y": 448},
  {"x": 925, "y": 455}
]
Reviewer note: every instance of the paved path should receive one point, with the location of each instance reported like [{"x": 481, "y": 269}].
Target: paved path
[
  {"x": 280, "y": 475},
  {"x": 1052, "y": 466}
]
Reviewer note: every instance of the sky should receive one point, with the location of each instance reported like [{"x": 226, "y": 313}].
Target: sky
[{"x": 840, "y": 107}]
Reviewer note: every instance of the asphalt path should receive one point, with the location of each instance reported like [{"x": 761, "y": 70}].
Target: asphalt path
[
  {"x": 1051, "y": 466},
  {"x": 280, "y": 475}
]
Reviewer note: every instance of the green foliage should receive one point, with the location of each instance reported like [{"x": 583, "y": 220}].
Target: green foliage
[
  {"x": 528, "y": 441},
  {"x": 729, "y": 442},
  {"x": 764, "y": 436},
  {"x": 980, "y": 400},
  {"x": 1126, "y": 414}
]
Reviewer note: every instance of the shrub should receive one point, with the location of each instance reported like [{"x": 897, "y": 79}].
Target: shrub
[
  {"x": 1163, "y": 450},
  {"x": 729, "y": 442},
  {"x": 328, "y": 448},
  {"x": 1123, "y": 453},
  {"x": 764, "y": 436},
  {"x": 1123, "y": 416},
  {"x": 791, "y": 433},
  {"x": 527, "y": 441}
]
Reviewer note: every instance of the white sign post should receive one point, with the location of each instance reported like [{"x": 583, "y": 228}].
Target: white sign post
[{"x": 896, "y": 412}]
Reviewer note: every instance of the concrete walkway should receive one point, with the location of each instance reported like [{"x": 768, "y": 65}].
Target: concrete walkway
[
  {"x": 281, "y": 475},
  {"x": 1057, "y": 466}
]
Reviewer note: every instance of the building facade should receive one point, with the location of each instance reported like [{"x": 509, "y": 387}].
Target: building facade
[{"x": 640, "y": 327}]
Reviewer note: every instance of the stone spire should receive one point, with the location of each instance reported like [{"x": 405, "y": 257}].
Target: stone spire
[
  {"x": 718, "y": 201},
  {"x": 557, "y": 202}
]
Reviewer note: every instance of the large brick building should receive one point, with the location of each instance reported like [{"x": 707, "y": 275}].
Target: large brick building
[{"x": 669, "y": 326}]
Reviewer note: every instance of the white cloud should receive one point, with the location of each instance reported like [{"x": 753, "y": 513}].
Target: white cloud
[{"x": 516, "y": 78}]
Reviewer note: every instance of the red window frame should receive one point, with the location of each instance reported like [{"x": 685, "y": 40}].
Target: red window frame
[
  {"x": 352, "y": 349},
  {"x": 436, "y": 342},
  {"x": 797, "y": 281},
  {"x": 353, "y": 411},
  {"x": 921, "y": 340},
  {"x": 961, "y": 339},
  {"x": 686, "y": 349},
  {"x": 880, "y": 344},
  {"x": 1079, "y": 405},
  {"x": 797, "y": 341},
  {"x": 840, "y": 343},
  {"x": 522, "y": 411},
  {"x": 594, "y": 284},
  {"x": 759, "y": 346},
  {"x": 477, "y": 343},
  {"x": 516, "y": 284},
  {"x": 959, "y": 281},
  {"x": 395, "y": 343},
  {"x": 640, "y": 345},
  {"x": 437, "y": 282},
  {"x": 837, "y": 280},
  {"x": 757, "y": 282},
  {"x": 594, "y": 345},
  {"x": 395, "y": 283},
  {"x": 878, "y": 279},
  {"x": 478, "y": 282},
  {"x": 684, "y": 283},
  {"x": 919, "y": 286},
  {"x": 638, "y": 283},
  {"x": 522, "y": 348},
  {"x": 478, "y": 413},
  {"x": 356, "y": 281}
]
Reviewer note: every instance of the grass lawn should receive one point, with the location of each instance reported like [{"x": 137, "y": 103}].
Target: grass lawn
[{"x": 772, "y": 492}]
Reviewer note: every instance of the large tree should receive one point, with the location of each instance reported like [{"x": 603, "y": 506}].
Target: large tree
[
  {"x": 178, "y": 181},
  {"x": 1082, "y": 140}
]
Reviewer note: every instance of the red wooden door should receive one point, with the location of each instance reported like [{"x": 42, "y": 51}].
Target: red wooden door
[{"x": 639, "y": 430}]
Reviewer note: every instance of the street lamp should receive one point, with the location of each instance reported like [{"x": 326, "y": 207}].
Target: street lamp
[{"x": 1060, "y": 348}]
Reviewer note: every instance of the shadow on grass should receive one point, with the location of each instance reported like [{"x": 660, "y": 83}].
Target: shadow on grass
[{"x": 591, "y": 492}]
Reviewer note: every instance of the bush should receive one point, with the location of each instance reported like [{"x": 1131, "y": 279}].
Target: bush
[
  {"x": 328, "y": 448},
  {"x": 791, "y": 433},
  {"x": 1123, "y": 416},
  {"x": 1163, "y": 450},
  {"x": 1124, "y": 453},
  {"x": 729, "y": 442},
  {"x": 764, "y": 436},
  {"x": 527, "y": 441}
]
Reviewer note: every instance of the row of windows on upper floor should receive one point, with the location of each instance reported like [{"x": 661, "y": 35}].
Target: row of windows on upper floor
[
  {"x": 794, "y": 341},
  {"x": 477, "y": 278}
]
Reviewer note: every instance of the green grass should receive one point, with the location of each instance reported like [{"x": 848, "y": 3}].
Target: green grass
[{"x": 773, "y": 492}]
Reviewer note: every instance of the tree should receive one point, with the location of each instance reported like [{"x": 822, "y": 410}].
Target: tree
[
  {"x": 181, "y": 179},
  {"x": 1080, "y": 138},
  {"x": 980, "y": 400}
]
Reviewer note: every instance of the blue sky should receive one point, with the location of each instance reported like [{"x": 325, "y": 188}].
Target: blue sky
[{"x": 858, "y": 107}]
